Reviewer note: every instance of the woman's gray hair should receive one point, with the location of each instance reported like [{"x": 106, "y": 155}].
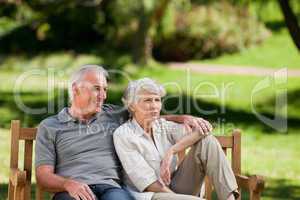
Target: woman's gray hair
[
  {"x": 77, "y": 76},
  {"x": 131, "y": 94}
]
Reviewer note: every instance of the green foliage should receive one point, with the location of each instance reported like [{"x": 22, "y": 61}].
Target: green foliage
[
  {"x": 189, "y": 30},
  {"x": 207, "y": 31}
]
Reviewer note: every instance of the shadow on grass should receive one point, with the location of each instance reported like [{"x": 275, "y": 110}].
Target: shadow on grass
[
  {"x": 293, "y": 97},
  {"x": 276, "y": 189},
  {"x": 275, "y": 26},
  {"x": 179, "y": 104},
  {"x": 10, "y": 110},
  {"x": 228, "y": 115}
]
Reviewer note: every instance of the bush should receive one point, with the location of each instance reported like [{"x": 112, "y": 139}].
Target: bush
[{"x": 206, "y": 32}]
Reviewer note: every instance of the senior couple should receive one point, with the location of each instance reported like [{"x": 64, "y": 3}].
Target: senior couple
[{"x": 91, "y": 150}]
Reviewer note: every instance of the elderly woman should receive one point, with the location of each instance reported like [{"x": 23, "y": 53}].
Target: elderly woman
[{"x": 147, "y": 146}]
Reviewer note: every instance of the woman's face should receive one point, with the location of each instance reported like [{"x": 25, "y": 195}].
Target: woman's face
[{"x": 148, "y": 107}]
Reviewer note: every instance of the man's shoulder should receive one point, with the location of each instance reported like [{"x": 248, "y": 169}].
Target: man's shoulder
[
  {"x": 50, "y": 121},
  {"x": 112, "y": 108},
  {"x": 50, "y": 125}
]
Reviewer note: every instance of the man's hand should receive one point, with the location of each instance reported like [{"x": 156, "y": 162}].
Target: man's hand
[
  {"x": 79, "y": 191},
  {"x": 192, "y": 123},
  {"x": 165, "y": 168}
]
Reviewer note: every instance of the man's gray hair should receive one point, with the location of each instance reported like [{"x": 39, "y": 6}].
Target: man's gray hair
[
  {"x": 77, "y": 76},
  {"x": 131, "y": 94}
]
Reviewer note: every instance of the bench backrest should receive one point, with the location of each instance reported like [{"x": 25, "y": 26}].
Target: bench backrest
[{"x": 28, "y": 135}]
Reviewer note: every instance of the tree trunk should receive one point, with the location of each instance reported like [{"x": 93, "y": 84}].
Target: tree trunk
[
  {"x": 142, "y": 51},
  {"x": 143, "y": 41},
  {"x": 291, "y": 21}
]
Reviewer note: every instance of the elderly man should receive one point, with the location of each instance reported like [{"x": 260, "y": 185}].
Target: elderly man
[{"x": 75, "y": 156}]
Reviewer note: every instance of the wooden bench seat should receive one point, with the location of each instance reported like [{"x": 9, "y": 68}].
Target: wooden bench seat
[{"x": 20, "y": 178}]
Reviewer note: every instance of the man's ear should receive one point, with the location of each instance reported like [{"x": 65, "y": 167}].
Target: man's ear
[
  {"x": 131, "y": 108},
  {"x": 75, "y": 89}
]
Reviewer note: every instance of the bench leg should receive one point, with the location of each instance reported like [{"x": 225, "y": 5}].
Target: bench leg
[{"x": 10, "y": 195}]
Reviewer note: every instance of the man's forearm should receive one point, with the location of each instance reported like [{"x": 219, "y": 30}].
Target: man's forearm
[
  {"x": 174, "y": 118},
  {"x": 51, "y": 182},
  {"x": 158, "y": 187}
]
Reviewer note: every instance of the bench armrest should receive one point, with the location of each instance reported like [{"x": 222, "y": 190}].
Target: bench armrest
[
  {"x": 17, "y": 177},
  {"x": 253, "y": 184}
]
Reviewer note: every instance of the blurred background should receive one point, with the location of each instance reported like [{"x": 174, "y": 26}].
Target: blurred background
[{"x": 217, "y": 59}]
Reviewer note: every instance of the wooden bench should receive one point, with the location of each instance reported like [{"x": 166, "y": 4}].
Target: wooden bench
[{"x": 20, "y": 179}]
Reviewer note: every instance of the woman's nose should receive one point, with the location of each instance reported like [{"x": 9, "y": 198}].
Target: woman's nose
[{"x": 154, "y": 104}]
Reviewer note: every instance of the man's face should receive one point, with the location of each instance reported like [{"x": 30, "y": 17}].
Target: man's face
[{"x": 90, "y": 93}]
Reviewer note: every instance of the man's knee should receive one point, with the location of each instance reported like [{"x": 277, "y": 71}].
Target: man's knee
[
  {"x": 208, "y": 141},
  {"x": 62, "y": 196},
  {"x": 118, "y": 193}
]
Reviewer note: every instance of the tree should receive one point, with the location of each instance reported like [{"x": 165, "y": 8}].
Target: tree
[
  {"x": 291, "y": 21},
  {"x": 148, "y": 19}
]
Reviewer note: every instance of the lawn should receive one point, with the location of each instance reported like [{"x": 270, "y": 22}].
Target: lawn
[
  {"x": 40, "y": 80},
  {"x": 262, "y": 146},
  {"x": 277, "y": 51},
  {"x": 273, "y": 156}
]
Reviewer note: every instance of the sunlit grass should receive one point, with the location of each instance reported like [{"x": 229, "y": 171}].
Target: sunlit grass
[{"x": 278, "y": 51}]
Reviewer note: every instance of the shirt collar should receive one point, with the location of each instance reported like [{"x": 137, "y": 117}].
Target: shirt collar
[
  {"x": 137, "y": 129},
  {"x": 64, "y": 116}
]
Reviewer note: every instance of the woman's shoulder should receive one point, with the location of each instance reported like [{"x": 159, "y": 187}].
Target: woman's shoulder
[{"x": 123, "y": 130}]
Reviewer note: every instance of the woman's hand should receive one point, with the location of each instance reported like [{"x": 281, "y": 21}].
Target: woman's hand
[{"x": 165, "y": 167}]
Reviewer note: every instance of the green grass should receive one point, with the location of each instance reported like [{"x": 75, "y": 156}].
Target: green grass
[
  {"x": 265, "y": 151},
  {"x": 274, "y": 156},
  {"x": 277, "y": 51},
  {"x": 228, "y": 90},
  {"x": 4, "y": 154}
]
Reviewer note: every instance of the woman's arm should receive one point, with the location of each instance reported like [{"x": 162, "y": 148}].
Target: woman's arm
[
  {"x": 158, "y": 187},
  {"x": 179, "y": 146},
  {"x": 186, "y": 141}
]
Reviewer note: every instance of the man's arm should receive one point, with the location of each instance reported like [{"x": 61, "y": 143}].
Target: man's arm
[
  {"x": 191, "y": 123},
  {"x": 45, "y": 156},
  {"x": 48, "y": 180},
  {"x": 51, "y": 182}
]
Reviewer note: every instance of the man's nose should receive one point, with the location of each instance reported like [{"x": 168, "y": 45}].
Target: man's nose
[{"x": 102, "y": 94}]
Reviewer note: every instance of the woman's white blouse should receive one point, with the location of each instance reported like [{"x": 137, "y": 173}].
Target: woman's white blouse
[{"x": 141, "y": 157}]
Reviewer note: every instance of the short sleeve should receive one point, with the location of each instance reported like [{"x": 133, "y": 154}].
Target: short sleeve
[
  {"x": 45, "y": 147},
  {"x": 173, "y": 130},
  {"x": 135, "y": 166}
]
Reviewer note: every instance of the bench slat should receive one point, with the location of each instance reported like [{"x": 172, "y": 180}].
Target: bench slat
[
  {"x": 225, "y": 141},
  {"x": 28, "y": 133}
]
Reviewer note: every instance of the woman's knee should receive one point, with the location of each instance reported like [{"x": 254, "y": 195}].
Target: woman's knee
[{"x": 173, "y": 196}]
